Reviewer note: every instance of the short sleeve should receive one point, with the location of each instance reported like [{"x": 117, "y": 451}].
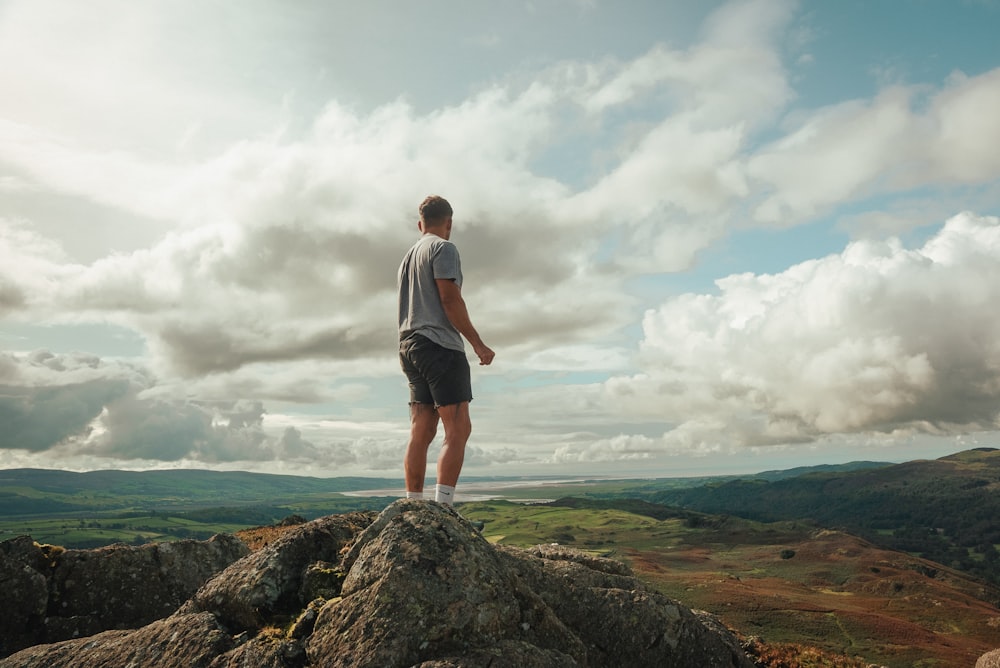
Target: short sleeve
[{"x": 447, "y": 263}]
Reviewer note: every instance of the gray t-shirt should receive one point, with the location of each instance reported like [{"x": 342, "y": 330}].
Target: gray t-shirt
[{"x": 420, "y": 309}]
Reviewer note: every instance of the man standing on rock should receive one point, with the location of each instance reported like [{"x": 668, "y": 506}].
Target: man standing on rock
[{"x": 432, "y": 320}]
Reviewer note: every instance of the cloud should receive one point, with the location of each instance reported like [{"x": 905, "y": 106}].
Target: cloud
[
  {"x": 82, "y": 405},
  {"x": 286, "y": 247},
  {"x": 290, "y": 248},
  {"x": 879, "y": 338},
  {"x": 112, "y": 177},
  {"x": 272, "y": 280},
  {"x": 680, "y": 181},
  {"x": 906, "y": 138},
  {"x": 47, "y": 398},
  {"x": 39, "y": 418},
  {"x": 734, "y": 75}
]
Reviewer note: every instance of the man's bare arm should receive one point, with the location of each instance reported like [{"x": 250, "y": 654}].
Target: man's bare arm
[{"x": 458, "y": 314}]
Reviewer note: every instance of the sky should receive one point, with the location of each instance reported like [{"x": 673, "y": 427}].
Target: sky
[{"x": 702, "y": 238}]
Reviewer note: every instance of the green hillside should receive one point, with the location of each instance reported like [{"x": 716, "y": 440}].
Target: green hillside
[
  {"x": 35, "y": 490},
  {"x": 947, "y": 510},
  {"x": 82, "y": 510}
]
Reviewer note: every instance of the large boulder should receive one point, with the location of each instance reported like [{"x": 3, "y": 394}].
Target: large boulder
[
  {"x": 122, "y": 587},
  {"x": 26, "y": 593},
  {"x": 58, "y": 594},
  {"x": 268, "y": 583},
  {"x": 422, "y": 587},
  {"x": 182, "y": 641},
  {"x": 415, "y": 586}
]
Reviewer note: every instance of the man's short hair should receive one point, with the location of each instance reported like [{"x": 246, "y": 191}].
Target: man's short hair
[{"x": 435, "y": 210}]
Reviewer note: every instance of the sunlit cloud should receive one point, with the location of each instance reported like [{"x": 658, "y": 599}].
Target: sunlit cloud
[{"x": 263, "y": 290}]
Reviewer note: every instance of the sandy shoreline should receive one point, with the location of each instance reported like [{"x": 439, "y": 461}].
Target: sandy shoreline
[{"x": 480, "y": 490}]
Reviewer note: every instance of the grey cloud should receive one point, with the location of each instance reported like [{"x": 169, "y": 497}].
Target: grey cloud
[
  {"x": 301, "y": 259},
  {"x": 63, "y": 363},
  {"x": 523, "y": 255},
  {"x": 202, "y": 348},
  {"x": 12, "y": 297},
  {"x": 529, "y": 252},
  {"x": 157, "y": 430},
  {"x": 165, "y": 430},
  {"x": 39, "y": 418},
  {"x": 477, "y": 456},
  {"x": 378, "y": 455},
  {"x": 80, "y": 404},
  {"x": 291, "y": 445}
]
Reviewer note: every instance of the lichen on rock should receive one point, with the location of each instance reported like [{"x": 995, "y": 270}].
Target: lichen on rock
[{"x": 416, "y": 585}]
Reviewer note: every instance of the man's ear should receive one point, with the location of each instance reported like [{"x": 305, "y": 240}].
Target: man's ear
[{"x": 420, "y": 225}]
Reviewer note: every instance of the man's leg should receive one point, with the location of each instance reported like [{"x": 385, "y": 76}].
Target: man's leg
[
  {"x": 423, "y": 428},
  {"x": 457, "y": 428}
]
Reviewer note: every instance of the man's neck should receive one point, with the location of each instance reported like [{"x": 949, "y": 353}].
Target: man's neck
[{"x": 441, "y": 232}]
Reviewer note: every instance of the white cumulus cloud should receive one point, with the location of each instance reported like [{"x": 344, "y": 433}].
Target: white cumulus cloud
[{"x": 875, "y": 339}]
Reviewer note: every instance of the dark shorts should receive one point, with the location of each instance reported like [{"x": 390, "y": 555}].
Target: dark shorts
[{"x": 437, "y": 375}]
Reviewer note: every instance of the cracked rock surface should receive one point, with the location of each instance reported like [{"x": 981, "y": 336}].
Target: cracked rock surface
[{"x": 416, "y": 585}]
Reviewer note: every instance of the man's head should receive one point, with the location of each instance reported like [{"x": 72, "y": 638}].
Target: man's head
[{"x": 435, "y": 215}]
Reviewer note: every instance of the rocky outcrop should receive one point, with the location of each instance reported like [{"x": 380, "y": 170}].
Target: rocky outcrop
[
  {"x": 415, "y": 586},
  {"x": 989, "y": 660},
  {"x": 54, "y": 594}
]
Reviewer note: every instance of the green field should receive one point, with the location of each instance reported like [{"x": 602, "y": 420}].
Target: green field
[
  {"x": 84, "y": 510},
  {"x": 95, "y": 529},
  {"x": 791, "y": 580}
]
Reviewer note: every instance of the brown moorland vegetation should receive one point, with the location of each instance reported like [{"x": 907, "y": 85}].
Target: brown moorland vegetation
[
  {"x": 834, "y": 591},
  {"x": 787, "y": 583},
  {"x": 802, "y": 597}
]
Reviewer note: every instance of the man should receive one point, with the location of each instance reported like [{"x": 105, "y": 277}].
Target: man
[{"x": 432, "y": 320}]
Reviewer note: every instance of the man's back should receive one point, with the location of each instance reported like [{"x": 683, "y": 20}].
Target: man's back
[{"x": 420, "y": 308}]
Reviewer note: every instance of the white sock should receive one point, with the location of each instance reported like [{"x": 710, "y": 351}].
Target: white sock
[
  {"x": 414, "y": 495},
  {"x": 445, "y": 494}
]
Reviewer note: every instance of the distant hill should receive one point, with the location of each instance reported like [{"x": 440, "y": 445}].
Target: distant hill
[
  {"x": 947, "y": 509},
  {"x": 43, "y": 491},
  {"x": 821, "y": 468},
  {"x": 83, "y": 510}
]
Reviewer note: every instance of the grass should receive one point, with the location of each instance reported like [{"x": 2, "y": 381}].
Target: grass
[
  {"x": 135, "y": 526},
  {"x": 97, "y": 532},
  {"x": 836, "y": 593}
]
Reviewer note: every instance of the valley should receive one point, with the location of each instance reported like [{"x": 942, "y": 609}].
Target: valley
[
  {"x": 786, "y": 582},
  {"x": 870, "y": 563}
]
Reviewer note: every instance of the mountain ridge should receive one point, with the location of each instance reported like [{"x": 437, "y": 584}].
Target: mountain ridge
[{"x": 946, "y": 509}]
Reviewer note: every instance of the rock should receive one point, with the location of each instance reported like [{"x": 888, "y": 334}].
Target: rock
[
  {"x": 63, "y": 594},
  {"x": 506, "y": 654},
  {"x": 321, "y": 580},
  {"x": 123, "y": 587},
  {"x": 264, "y": 651},
  {"x": 185, "y": 641},
  {"x": 989, "y": 660},
  {"x": 306, "y": 622},
  {"x": 25, "y": 592},
  {"x": 420, "y": 583},
  {"x": 423, "y": 586},
  {"x": 268, "y": 582},
  {"x": 618, "y": 618},
  {"x": 415, "y": 586}
]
